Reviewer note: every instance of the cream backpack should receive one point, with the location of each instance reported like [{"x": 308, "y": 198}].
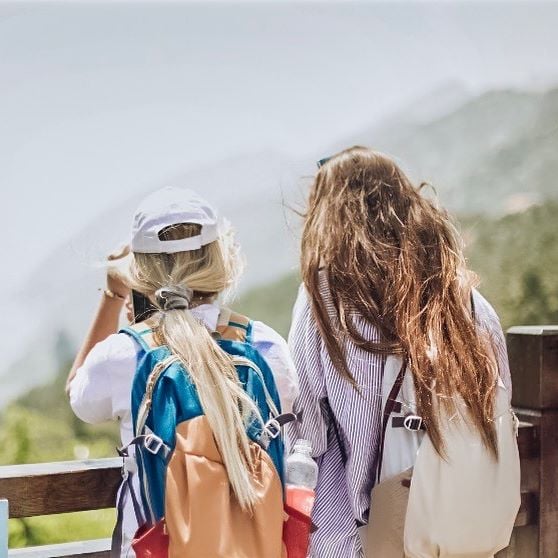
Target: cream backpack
[{"x": 424, "y": 506}]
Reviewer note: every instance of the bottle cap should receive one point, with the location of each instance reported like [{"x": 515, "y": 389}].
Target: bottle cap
[{"x": 303, "y": 445}]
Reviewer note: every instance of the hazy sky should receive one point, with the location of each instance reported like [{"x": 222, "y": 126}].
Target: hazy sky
[{"x": 98, "y": 101}]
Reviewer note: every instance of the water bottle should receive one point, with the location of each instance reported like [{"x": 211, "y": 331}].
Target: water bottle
[{"x": 301, "y": 477}]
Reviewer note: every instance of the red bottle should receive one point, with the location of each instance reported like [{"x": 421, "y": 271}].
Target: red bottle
[
  {"x": 300, "y": 498},
  {"x": 301, "y": 477}
]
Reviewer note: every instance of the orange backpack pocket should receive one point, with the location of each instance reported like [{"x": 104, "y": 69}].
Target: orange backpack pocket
[{"x": 202, "y": 515}]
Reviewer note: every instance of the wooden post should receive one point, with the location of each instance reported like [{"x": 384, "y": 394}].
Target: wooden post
[
  {"x": 533, "y": 354},
  {"x": 4, "y": 528}
]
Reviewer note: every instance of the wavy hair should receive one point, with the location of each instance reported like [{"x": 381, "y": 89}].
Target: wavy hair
[{"x": 394, "y": 258}]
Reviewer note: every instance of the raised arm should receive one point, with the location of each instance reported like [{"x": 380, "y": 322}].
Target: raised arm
[{"x": 106, "y": 319}]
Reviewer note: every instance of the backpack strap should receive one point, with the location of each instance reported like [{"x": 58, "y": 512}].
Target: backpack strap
[
  {"x": 243, "y": 361},
  {"x": 145, "y": 439},
  {"x": 234, "y": 327},
  {"x": 153, "y": 378},
  {"x": 156, "y": 446},
  {"x": 271, "y": 429},
  {"x": 389, "y": 408},
  {"x": 125, "y": 488},
  {"x": 411, "y": 422},
  {"x": 139, "y": 336}
]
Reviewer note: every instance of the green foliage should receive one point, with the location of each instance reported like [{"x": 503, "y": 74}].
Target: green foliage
[
  {"x": 50, "y": 401},
  {"x": 516, "y": 258},
  {"x": 41, "y": 427},
  {"x": 61, "y": 528},
  {"x": 272, "y": 303},
  {"x": 29, "y": 436}
]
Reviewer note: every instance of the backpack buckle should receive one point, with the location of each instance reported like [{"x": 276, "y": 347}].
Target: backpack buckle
[
  {"x": 412, "y": 423},
  {"x": 272, "y": 428},
  {"x": 152, "y": 443}
]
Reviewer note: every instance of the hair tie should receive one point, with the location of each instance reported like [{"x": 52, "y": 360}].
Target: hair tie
[{"x": 174, "y": 298}]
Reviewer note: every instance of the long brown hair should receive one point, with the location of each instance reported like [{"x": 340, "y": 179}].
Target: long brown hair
[{"x": 394, "y": 258}]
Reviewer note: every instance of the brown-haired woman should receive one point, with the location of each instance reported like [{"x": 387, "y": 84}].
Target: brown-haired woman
[{"x": 383, "y": 273}]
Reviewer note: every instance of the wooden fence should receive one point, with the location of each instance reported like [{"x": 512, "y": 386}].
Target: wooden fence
[
  {"x": 533, "y": 353},
  {"x": 44, "y": 489},
  {"x": 62, "y": 487}
]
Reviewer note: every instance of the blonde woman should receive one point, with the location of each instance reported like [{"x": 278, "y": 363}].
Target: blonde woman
[
  {"x": 384, "y": 274},
  {"x": 182, "y": 260}
]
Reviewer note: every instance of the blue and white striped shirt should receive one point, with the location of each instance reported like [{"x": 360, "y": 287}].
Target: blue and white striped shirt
[{"x": 343, "y": 491}]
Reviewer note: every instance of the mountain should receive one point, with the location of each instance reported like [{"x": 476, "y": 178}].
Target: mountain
[
  {"x": 429, "y": 107},
  {"x": 436, "y": 103},
  {"x": 489, "y": 154},
  {"x": 524, "y": 168},
  {"x": 493, "y": 154}
]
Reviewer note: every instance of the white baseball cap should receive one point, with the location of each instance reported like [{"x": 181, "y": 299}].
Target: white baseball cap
[{"x": 167, "y": 207}]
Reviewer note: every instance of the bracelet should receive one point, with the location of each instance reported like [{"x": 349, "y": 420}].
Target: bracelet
[{"x": 111, "y": 294}]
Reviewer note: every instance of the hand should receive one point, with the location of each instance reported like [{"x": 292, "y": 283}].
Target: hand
[
  {"x": 106, "y": 321},
  {"x": 116, "y": 274}
]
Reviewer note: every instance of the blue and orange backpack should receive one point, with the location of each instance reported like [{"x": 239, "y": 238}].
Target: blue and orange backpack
[{"x": 187, "y": 506}]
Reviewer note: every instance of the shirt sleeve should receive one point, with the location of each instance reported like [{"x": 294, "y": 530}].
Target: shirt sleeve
[
  {"x": 306, "y": 347},
  {"x": 275, "y": 351},
  {"x": 489, "y": 322},
  {"x": 101, "y": 388}
]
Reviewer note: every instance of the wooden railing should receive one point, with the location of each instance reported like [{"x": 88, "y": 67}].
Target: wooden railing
[
  {"x": 50, "y": 488},
  {"x": 31, "y": 490},
  {"x": 533, "y": 354}
]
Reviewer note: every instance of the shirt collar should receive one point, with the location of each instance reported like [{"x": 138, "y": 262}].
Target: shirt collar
[{"x": 208, "y": 314}]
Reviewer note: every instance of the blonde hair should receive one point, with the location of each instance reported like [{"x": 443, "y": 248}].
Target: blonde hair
[{"x": 205, "y": 273}]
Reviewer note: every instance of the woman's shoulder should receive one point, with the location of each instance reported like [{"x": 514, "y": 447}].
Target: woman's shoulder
[
  {"x": 485, "y": 314},
  {"x": 263, "y": 332},
  {"x": 303, "y": 302},
  {"x": 116, "y": 347},
  {"x": 103, "y": 378}
]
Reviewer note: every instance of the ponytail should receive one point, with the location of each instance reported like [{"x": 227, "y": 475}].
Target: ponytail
[{"x": 225, "y": 403}]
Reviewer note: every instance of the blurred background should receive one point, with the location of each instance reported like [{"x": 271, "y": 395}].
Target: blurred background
[{"x": 101, "y": 103}]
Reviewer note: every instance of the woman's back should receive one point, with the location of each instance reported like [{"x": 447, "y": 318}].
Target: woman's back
[
  {"x": 384, "y": 274},
  {"x": 325, "y": 396}
]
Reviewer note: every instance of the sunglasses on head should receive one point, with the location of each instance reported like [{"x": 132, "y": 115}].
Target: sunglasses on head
[{"x": 323, "y": 161}]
